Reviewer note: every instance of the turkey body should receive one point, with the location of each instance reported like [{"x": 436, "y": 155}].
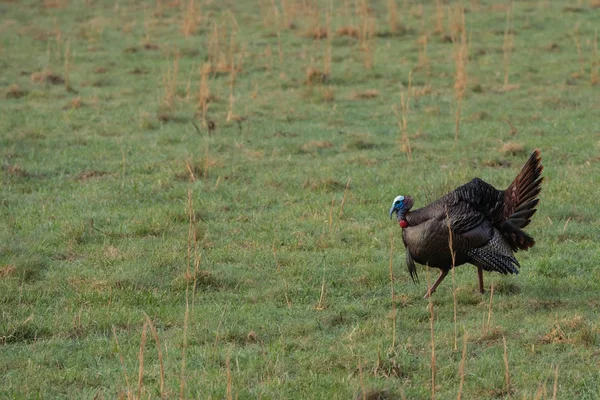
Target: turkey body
[{"x": 476, "y": 223}]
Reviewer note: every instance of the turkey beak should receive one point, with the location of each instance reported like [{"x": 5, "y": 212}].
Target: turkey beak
[{"x": 392, "y": 211}]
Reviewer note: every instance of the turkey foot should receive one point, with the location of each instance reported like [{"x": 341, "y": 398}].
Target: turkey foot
[{"x": 443, "y": 274}]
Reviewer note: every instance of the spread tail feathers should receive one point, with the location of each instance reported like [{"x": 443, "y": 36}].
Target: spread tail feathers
[{"x": 520, "y": 200}]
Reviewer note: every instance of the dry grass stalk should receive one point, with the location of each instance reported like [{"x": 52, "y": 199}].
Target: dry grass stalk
[
  {"x": 555, "y": 386},
  {"x": 275, "y": 258},
  {"x": 74, "y": 104},
  {"x": 190, "y": 170},
  {"x": 461, "y": 368},
  {"x": 269, "y": 56},
  {"x": 160, "y": 357},
  {"x": 351, "y": 31},
  {"x": 122, "y": 167},
  {"x": 158, "y": 11},
  {"x": 188, "y": 87},
  {"x": 271, "y": 15},
  {"x": 316, "y": 31},
  {"x": 7, "y": 270},
  {"x": 366, "y": 34},
  {"x": 235, "y": 27},
  {"x": 77, "y": 320},
  {"x": 46, "y": 76},
  {"x": 57, "y": 32},
  {"x": 513, "y": 129},
  {"x": 416, "y": 11},
  {"x": 392, "y": 8},
  {"x": 313, "y": 76},
  {"x": 506, "y": 368},
  {"x": 405, "y": 105},
  {"x": 454, "y": 301},
  {"x": 577, "y": 41},
  {"x": 594, "y": 77},
  {"x": 331, "y": 212},
  {"x": 55, "y": 3},
  {"x": 122, "y": 361},
  {"x": 141, "y": 360},
  {"x": 423, "y": 58},
  {"x": 320, "y": 305},
  {"x": 461, "y": 57},
  {"x": 170, "y": 85},
  {"x": 508, "y": 45},
  {"x": 566, "y": 224},
  {"x": 541, "y": 391},
  {"x": 12, "y": 331},
  {"x": 197, "y": 259},
  {"x": 285, "y": 284},
  {"x": 191, "y": 242},
  {"x": 288, "y": 14},
  {"x": 367, "y": 94},
  {"x": 362, "y": 382},
  {"x": 431, "y": 321},
  {"x": 68, "y": 61},
  {"x": 184, "y": 348},
  {"x": 344, "y": 199},
  {"x": 327, "y": 58},
  {"x": 439, "y": 17},
  {"x": 392, "y": 290},
  {"x": 204, "y": 92},
  {"x": 232, "y": 76},
  {"x": 229, "y": 389},
  {"x": 219, "y": 327},
  {"x": 230, "y": 115},
  {"x": 190, "y": 19},
  {"x": 232, "y": 61},
  {"x": 214, "y": 49},
  {"x": 369, "y": 42},
  {"x": 513, "y": 148},
  {"x": 265, "y": 13},
  {"x": 328, "y": 94},
  {"x": 14, "y": 91},
  {"x": 403, "y": 120},
  {"x": 280, "y": 52},
  {"x": 222, "y": 60},
  {"x": 191, "y": 239},
  {"x": 285, "y": 293},
  {"x": 453, "y": 255},
  {"x": 147, "y": 23},
  {"x": 486, "y": 328}
]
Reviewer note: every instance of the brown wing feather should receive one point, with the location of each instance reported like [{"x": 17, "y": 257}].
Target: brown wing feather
[
  {"x": 522, "y": 192},
  {"x": 520, "y": 200}
]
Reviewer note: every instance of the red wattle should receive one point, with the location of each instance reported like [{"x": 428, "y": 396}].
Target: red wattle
[{"x": 403, "y": 223}]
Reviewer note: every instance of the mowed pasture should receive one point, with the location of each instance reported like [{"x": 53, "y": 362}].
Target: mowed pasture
[{"x": 194, "y": 198}]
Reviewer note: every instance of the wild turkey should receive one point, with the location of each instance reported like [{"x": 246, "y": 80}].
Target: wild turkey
[{"x": 482, "y": 225}]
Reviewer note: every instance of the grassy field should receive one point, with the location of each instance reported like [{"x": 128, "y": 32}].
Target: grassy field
[{"x": 194, "y": 198}]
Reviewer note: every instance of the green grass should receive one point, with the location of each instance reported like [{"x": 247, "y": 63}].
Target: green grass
[{"x": 292, "y": 297}]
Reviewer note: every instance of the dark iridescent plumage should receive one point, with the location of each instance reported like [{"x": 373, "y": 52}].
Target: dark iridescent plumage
[{"x": 483, "y": 224}]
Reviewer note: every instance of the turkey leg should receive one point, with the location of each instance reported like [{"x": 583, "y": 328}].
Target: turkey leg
[
  {"x": 440, "y": 278},
  {"x": 480, "y": 274}
]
